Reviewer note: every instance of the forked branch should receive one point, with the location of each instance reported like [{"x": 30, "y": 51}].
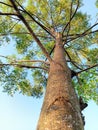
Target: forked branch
[
  {"x": 30, "y": 15},
  {"x": 72, "y": 61},
  {"x": 41, "y": 25},
  {"x": 87, "y": 69},
  {"x": 69, "y": 20},
  {"x": 76, "y": 36},
  {"x": 31, "y": 31},
  {"x": 71, "y": 17}
]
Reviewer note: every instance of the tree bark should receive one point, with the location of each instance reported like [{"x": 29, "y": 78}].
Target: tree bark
[{"x": 61, "y": 109}]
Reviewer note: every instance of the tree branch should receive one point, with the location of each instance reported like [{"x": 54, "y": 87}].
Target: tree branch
[
  {"x": 4, "y": 34},
  {"x": 6, "y": 4},
  {"x": 87, "y": 68},
  {"x": 72, "y": 61},
  {"x": 76, "y": 35},
  {"x": 71, "y": 18},
  {"x": 27, "y": 33},
  {"x": 80, "y": 35},
  {"x": 30, "y": 15},
  {"x": 17, "y": 61},
  {"x": 6, "y": 57},
  {"x": 90, "y": 28},
  {"x": 31, "y": 31},
  {"x": 8, "y": 14},
  {"x": 41, "y": 25},
  {"x": 32, "y": 61},
  {"x": 23, "y": 66},
  {"x": 51, "y": 51}
]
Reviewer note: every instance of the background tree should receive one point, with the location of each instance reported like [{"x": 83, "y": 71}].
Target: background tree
[{"x": 31, "y": 26}]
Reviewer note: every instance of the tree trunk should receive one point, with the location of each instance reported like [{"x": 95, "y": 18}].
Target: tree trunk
[{"x": 61, "y": 109}]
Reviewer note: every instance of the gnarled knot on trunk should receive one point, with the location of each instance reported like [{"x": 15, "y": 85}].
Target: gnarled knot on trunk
[{"x": 54, "y": 106}]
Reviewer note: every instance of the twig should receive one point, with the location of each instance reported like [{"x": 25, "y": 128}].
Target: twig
[
  {"x": 13, "y": 26},
  {"x": 4, "y": 57}
]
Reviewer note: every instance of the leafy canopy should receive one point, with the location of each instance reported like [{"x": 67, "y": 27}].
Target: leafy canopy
[{"x": 29, "y": 26}]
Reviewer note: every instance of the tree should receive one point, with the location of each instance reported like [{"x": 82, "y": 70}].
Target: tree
[{"x": 56, "y": 45}]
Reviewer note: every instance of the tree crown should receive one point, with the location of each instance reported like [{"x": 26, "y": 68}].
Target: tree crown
[{"x": 31, "y": 27}]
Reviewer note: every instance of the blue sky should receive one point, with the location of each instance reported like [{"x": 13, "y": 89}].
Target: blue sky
[
  {"x": 22, "y": 112},
  {"x": 19, "y": 112}
]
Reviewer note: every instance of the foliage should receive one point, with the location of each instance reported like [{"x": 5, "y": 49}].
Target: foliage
[
  {"x": 79, "y": 36},
  {"x": 97, "y": 3}
]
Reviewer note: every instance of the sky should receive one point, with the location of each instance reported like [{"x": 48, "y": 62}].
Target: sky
[{"x": 22, "y": 112}]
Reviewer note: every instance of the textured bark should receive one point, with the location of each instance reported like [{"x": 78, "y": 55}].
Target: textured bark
[{"x": 60, "y": 110}]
